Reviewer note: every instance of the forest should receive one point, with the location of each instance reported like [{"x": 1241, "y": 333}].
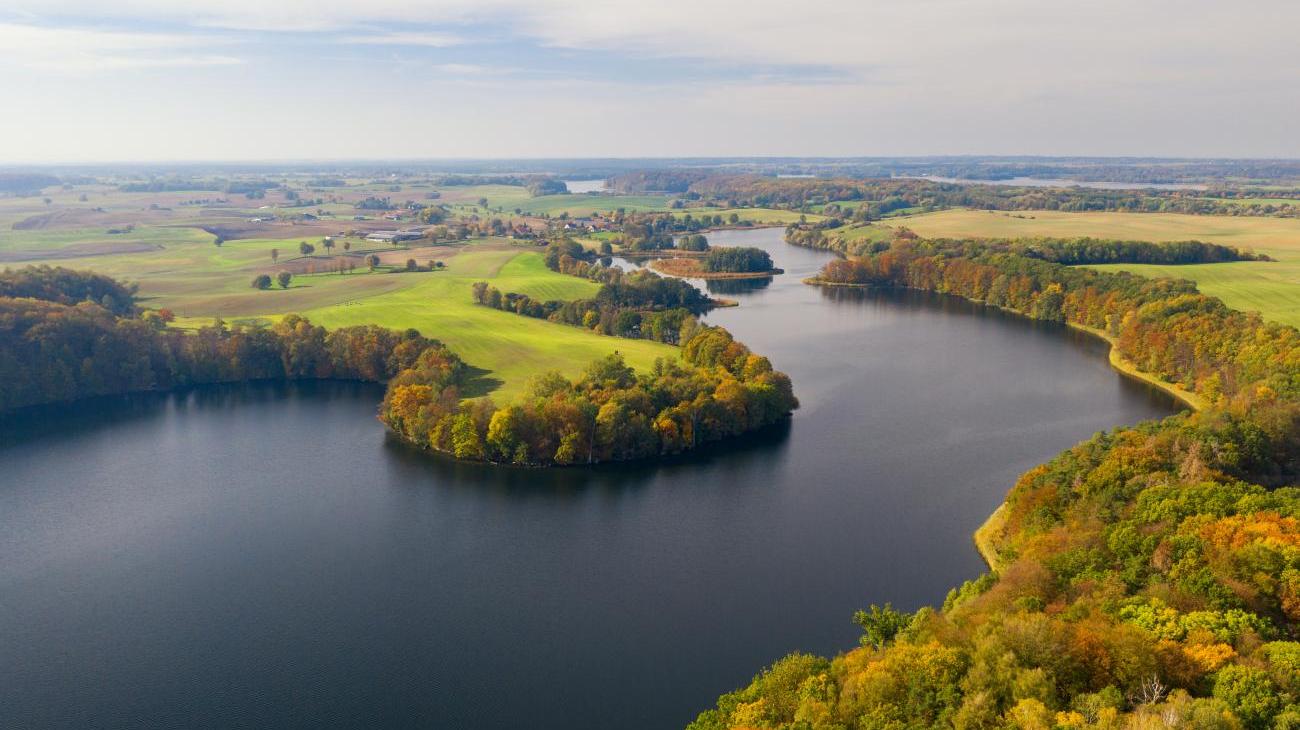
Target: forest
[
  {"x": 1148, "y": 577},
  {"x": 875, "y": 197},
  {"x": 1071, "y": 251},
  {"x": 56, "y": 349},
  {"x": 719, "y": 390},
  {"x": 737, "y": 260}
]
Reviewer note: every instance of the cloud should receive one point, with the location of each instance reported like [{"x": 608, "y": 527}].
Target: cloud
[
  {"x": 431, "y": 40},
  {"x": 829, "y": 76},
  {"x": 81, "y": 50}
]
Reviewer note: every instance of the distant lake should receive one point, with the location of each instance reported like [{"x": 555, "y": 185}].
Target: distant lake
[
  {"x": 263, "y": 556},
  {"x": 1043, "y": 182},
  {"x": 578, "y": 187}
]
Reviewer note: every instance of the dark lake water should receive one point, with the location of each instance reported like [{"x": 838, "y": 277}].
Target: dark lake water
[{"x": 264, "y": 557}]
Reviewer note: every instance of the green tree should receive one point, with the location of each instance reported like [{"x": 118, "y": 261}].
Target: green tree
[
  {"x": 466, "y": 443},
  {"x": 1250, "y": 694},
  {"x": 880, "y": 624},
  {"x": 283, "y": 278},
  {"x": 262, "y": 281}
]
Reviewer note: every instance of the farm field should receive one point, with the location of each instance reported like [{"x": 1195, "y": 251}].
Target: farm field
[
  {"x": 1260, "y": 234},
  {"x": 160, "y": 243},
  {"x": 1271, "y": 288}
]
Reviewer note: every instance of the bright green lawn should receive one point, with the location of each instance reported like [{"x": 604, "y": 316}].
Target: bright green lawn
[
  {"x": 1270, "y": 288},
  {"x": 511, "y": 347}
]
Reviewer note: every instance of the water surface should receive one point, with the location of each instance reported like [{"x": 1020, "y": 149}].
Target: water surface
[{"x": 262, "y": 556}]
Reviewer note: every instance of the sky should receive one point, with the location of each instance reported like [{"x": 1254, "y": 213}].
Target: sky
[{"x": 146, "y": 80}]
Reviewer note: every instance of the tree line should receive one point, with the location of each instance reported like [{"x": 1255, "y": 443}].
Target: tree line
[
  {"x": 671, "y": 326},
  {"x": 1070, "y": 251},
  {"x": 52, "y": 352},
  {"x": 874, "y": 197},
  {"x": 736, "y": 259}
]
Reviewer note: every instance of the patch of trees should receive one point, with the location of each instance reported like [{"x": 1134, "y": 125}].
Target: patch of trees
[
  {"x": 250, "y": 188},
  {"x": 719, "y": 390},
  {"x": 670, "y": 325},
  {"x": 1099, "y": 251},
  {"x": 737, "y": 260},
  {"x": 170, "y": 184},
  {"x": 693, "y": 242},
  {"x": 546, "y": 186},
  {"x": 472, "y": 180},
  {"x": 625, "y": 290},
  {"x": 657, "y": 181},
  {"x": 53, "y": 352},
  {"x": 25, "y": 183},
  {"x": 67, "y": 286},
  {"x": 1148, "y": 577},
  {"x": 373, "y": 203}
]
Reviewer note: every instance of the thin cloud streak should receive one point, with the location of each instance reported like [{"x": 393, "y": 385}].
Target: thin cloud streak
[{"x": 83, "y": 50}]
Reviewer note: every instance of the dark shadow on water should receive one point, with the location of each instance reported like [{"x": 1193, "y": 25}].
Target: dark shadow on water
[
  {"x": 754, "y": 452},
  {"x": 737, "y": 286},
  {"x": 70, "y": 421}
]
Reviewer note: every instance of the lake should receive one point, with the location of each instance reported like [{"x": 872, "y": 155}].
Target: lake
[
  {"x": 578, "y": 187},
  {"x": 1046, "y": 182},
  {"x": 263, "y": 556}
]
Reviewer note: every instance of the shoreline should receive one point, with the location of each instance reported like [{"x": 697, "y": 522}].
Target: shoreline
[{"x": 985, "y": 536}]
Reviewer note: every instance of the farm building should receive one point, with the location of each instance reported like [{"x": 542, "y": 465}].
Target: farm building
[{"x": 395, "y": 236}]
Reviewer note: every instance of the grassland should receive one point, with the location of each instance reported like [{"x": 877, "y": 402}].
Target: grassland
[
  {"x": 1271, "y": 288},
  {"x": 1261, "y": 234},
  {"x": 164, "y": 248}
]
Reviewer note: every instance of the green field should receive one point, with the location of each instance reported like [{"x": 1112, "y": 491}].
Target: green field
[
  {"x": 507, "y": 198},
  {"x": 1271, "y": 288},
  {"x": 1261, "y": 234},
  {"x": 162, "y": 247},
  {"x": 510, "y": 346}
]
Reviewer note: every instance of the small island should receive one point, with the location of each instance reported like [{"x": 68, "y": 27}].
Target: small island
[{"x": 720, "y": 263}]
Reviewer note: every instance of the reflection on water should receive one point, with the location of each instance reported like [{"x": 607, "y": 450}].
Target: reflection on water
[{"x": 737, "y": 286}]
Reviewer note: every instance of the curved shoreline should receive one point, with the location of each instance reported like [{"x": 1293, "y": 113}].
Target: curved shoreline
[{"x": 985, "y": 536}]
